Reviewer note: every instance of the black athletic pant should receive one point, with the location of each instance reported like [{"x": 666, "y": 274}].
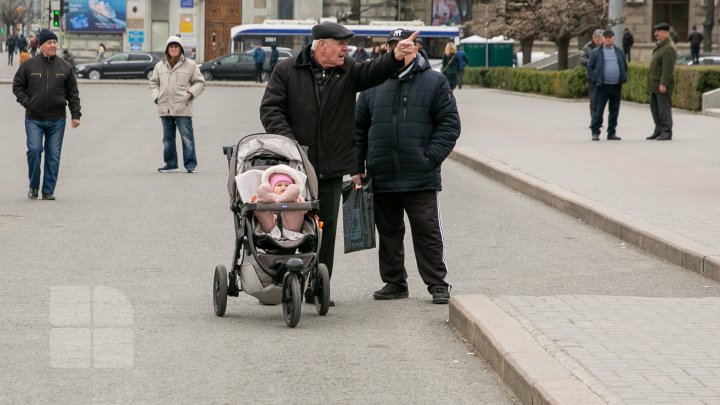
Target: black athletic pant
[{"x": 424, "y": 215}]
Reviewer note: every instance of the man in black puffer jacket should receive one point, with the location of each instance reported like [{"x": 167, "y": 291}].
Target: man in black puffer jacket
[{"x": 405, "y": 129}]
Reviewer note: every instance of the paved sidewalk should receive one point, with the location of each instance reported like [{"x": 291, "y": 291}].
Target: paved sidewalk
[{"x": 659, "y": 196}]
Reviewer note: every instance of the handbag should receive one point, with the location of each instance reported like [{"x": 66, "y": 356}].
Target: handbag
[{"x": 358, "y": 216}]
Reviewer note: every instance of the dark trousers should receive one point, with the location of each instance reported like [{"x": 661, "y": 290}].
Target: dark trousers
[
  {"x": 424, "y": 216},
  {"x": 661, "y": 109},
  {"x": 695, "y": 54},
  {"x": 591, "y": 95},
  {"x": 606, "y": 94},
  {"x": 627, "y": 53},
  {"x": 329, "y": 191},
  {"x": 258, "y": 72}
]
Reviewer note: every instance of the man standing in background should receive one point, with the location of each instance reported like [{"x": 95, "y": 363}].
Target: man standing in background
[
  {"x": 661, "y": 82},
  {"x": 597, "y": 40},
  {"x": 607, "y": 71},
  {"x": 628, "y": 41},
  {"x": 695, "y": 38}
]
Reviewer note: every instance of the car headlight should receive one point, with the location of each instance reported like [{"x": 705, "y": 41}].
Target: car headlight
[{"x": 80, "y": 67}]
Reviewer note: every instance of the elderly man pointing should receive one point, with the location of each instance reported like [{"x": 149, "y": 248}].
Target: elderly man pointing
[{"x": 311, "y": 98}]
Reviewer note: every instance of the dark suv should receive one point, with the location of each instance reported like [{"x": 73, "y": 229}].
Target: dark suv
[{"x": 239, "y": 66}]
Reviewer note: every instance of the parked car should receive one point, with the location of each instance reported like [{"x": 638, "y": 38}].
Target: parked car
[
  {"x": 239, "y": 66},
  {"x": 125, "y": 65},
  {"x": 704, "y": 59}
]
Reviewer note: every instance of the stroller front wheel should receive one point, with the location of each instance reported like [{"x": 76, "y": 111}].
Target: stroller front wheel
[
  {"x": 220, "y": 289},
  {"x": 292, "y": 300}
]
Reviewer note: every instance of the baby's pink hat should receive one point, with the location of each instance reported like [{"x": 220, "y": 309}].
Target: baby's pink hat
[{"x": 278, "y": 177}]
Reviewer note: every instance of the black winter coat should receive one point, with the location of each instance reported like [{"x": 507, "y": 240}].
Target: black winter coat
[
  {"x": 324, "y": 123},
  {"x": 44, "y": 86},
  {"x": 405, "y": 129}
]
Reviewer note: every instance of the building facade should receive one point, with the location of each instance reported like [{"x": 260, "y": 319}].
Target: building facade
[{"x": 204, "y": 25}]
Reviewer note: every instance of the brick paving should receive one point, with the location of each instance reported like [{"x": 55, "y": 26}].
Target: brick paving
[{"x": 638, "y": 349}]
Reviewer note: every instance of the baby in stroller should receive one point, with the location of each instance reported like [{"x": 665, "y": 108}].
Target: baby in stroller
[{"x": 280, "y": 183}]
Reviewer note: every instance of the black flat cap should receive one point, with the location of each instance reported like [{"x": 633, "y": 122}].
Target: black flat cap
[
  {"x": 399, "y": 34},
  {"x": 662, "y": 27},
  {"x": 332, "y": 30},
  {"x": 608, "y": 33}
]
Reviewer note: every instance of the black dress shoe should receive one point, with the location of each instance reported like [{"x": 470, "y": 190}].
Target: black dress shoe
[
  {"x": 664, "y": 137},
  {"x": 653, "y": 136},
  {"x": 48, "y": 196},
  {"x": 613, "y": 138},
  {"x": 596, "y": 137},
  {"x": 391, "y": 291},
  {"x": 33, "y": 193}
]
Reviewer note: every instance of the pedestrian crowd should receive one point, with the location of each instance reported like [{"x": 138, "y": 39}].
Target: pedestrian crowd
[
  {"x": 397, "y": 133},
  {"x": 607, "y": 70}
]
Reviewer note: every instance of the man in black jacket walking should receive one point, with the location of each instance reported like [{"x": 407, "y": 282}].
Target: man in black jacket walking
[
  {"x": 311, "y": 98},
  {"x": 44, "y": 85},
  {"x": 405, "y": 129}
]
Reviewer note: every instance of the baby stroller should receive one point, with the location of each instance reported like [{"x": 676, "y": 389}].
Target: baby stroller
[{"x": 272, "y": 269}]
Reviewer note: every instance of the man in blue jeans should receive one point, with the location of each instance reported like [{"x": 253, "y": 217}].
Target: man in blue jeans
[{"x": 53, "y": 86}]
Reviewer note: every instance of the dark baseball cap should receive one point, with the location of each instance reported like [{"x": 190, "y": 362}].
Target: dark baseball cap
[
  {"x": 327, "y": 30},
  {"x": 399, "y": 34}
]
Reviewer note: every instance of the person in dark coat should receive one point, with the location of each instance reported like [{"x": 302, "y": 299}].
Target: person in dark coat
[
  {"x": 274, "y": 56},
  {"x": 21, "y": 44},
  {"x": 10, "y": 44},
  {"x": 361, "y": 54},
  {"x": 628, "y": 40},
  {"x": 607, "y": 71},
  {"x": 695, "y": 38},
  {"x": 596, "y": 41},
  {"x": 311, "y": 98},
  {"x": 259, "y": 59},
  {"x": 450, "y": 64},
  {"x": 46, "y": 87},
  {"x": 405, "y": 129}
]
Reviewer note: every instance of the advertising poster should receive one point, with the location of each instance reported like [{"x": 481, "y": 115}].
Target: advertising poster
[
  {"x": 449, "y": 12},
  {"x": 96, "y": 16}
]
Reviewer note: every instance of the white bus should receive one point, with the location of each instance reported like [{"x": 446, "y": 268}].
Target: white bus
[{"x": 295, "y": 34}]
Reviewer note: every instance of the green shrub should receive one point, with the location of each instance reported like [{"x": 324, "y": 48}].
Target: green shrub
[{"x": 690, "y": 82}]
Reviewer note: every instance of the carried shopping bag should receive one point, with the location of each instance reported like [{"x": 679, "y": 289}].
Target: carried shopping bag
[{"x": 358, "y": 217}]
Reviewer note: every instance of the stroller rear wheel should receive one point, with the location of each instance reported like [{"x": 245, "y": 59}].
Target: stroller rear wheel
[
  {"x": 292, "y": 300},
  {"x": 220, "y": 289},
  {"x": 322, "y": 289}
]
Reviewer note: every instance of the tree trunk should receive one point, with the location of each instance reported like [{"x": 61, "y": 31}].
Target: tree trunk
[
  {"x": 708, "y": 25},
  {"x": 526, "y": 45},
  {"x": 562, "y": 46}
]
